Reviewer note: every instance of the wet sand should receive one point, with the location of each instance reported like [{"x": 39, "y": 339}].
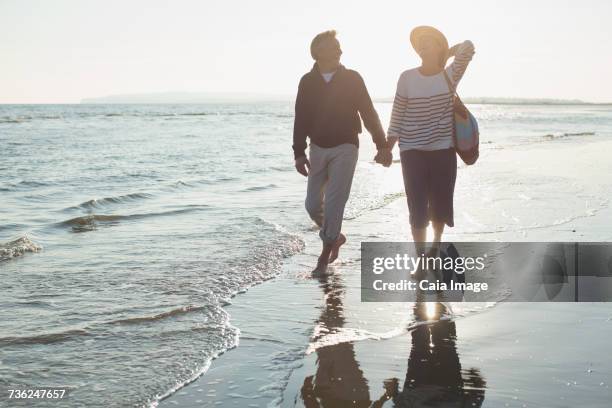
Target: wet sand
[
  {"x": 312, "y": 342},
  {"x": 519, "y": 354},
  {"x": 528, "y": 355}
]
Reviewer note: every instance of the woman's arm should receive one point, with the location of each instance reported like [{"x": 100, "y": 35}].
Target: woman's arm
[
  {"x": 391, "y": 140},
  {"x": 399, "y": 106},
  {"x": 463, "y": 53}
]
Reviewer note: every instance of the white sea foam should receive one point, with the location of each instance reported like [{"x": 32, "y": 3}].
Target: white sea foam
[{"x": 17, "y": 248}]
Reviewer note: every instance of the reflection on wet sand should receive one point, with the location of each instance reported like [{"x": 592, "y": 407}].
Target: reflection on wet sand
[
  {"x": 339, "y": 381},
  {"x": 434, "y": 377}
]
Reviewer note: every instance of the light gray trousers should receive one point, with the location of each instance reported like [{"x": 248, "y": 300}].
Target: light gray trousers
[{"x": 329, "y": 185}]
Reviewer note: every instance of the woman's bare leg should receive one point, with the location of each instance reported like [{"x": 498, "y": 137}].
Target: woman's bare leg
[
  {"x": 438, "y": 231},
  {"x": 419, "y": 236}
]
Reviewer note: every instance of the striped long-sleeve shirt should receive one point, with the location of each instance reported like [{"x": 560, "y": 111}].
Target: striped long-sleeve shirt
[{"x": 422, "y": 110}]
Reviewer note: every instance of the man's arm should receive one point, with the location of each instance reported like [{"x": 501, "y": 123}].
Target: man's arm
[
  {"x": 300, "y": 131},
  {"x": 369, "y": 116},
  {"x": 300, "y": 123}
]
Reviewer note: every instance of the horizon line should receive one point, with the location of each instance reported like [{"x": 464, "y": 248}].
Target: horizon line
[{"x": 206, "y": 98}]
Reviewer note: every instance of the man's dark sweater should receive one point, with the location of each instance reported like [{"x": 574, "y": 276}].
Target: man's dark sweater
[{"x": 328, "y": 113}]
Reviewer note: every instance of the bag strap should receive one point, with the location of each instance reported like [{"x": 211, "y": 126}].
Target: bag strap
[
  {"x": 451, "y": 88},
  {"x": 452, "y": 100}
]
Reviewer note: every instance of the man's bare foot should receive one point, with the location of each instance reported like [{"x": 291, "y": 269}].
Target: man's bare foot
[
  {"x": 336, "y": 248},
  {"x": 321, "y": 268}
]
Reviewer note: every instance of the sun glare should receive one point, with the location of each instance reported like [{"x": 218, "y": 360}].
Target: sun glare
[{"x": 430, "y": 310}]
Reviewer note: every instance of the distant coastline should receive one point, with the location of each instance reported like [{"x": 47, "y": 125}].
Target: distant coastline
[
  {"x": 195, "y": 97},
  {"x": 184, "y": 98}
]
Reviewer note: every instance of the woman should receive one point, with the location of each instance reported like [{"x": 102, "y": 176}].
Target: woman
[{"x": 422, "y": 122}]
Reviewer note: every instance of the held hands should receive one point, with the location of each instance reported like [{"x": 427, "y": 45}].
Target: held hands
[
  {"x": 301, "y": 164},
  {"x": 384, "y": 156}
]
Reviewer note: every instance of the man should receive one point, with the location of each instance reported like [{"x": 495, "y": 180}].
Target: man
[{"x": 329, "y": 101}]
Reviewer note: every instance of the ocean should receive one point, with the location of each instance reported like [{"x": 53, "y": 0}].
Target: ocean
[{"x": 126, "y": 230}]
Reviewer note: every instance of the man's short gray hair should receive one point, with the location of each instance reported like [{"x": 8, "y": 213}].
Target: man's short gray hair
[{"x": 319, "y": 38}]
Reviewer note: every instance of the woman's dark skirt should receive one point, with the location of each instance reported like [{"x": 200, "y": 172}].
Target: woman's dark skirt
[{"x": 429, "y": 180}]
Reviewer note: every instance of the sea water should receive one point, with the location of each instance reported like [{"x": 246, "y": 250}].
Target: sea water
[{"x": 125, "y": 229}]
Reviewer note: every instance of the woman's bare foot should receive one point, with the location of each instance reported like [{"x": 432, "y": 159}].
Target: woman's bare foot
[{"x": 336, "y": 248}]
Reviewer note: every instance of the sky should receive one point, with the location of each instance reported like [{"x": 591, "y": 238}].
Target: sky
[{"x": 61, "y": 51}]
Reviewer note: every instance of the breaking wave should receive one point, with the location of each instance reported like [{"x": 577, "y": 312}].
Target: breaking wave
[
  {"x": 102, "y": 202},
  {"x": 92, "y": 221}
]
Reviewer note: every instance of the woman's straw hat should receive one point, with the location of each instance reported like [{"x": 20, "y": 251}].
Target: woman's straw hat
[{"x": 421, "y": 31}]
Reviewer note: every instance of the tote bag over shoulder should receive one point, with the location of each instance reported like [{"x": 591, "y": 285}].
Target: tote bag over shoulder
[{"x": 465, "y": 129}]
